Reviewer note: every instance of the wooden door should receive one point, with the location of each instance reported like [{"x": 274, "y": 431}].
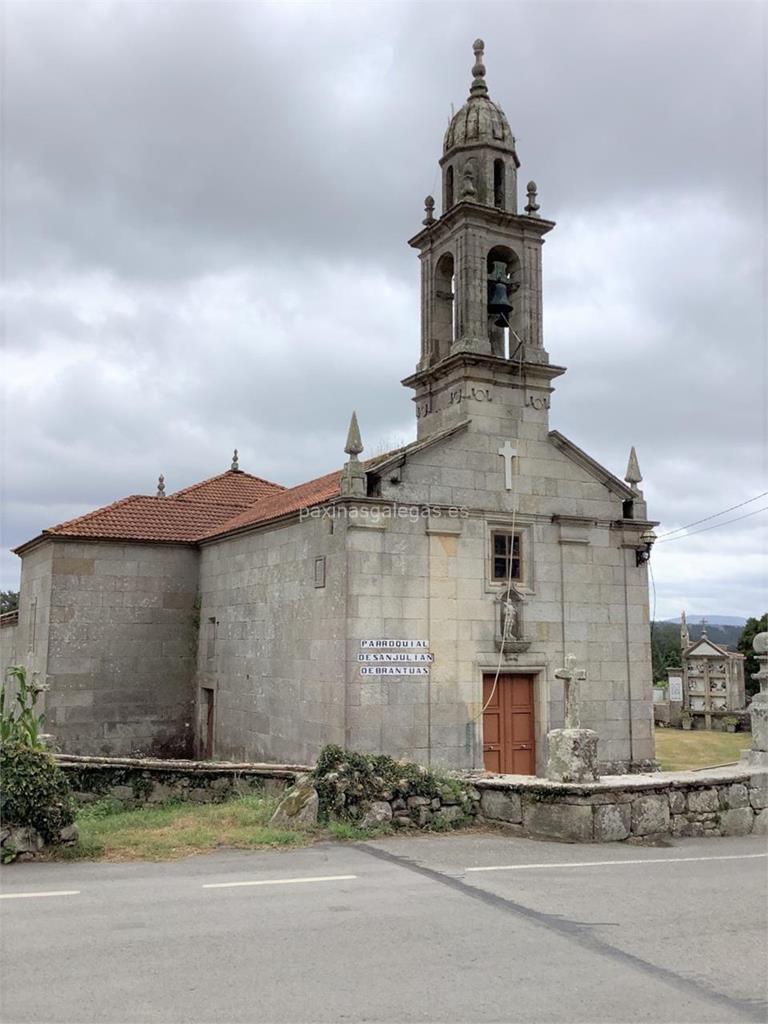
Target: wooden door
[
  {"x": 208, "y": 711},
  {"x": 508, "y": 725}
]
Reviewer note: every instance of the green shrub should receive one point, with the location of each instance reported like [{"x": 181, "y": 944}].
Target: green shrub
[
  {"x": 347, "y": 782},
  {"x": 21, "y": 723},
  {"x": 34, "y": 791}
]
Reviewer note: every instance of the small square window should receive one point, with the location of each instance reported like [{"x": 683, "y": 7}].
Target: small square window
[
  {"x": 506, "y": 547},
  {"x": 320, "y": 571}
]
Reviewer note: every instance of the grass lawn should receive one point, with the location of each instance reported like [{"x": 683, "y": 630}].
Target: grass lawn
[
  {"x": 175, "y": 830},
  {"x": 678, "y": 749}
]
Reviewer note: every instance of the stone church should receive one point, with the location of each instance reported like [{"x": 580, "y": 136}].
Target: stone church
[{"x": 419, "y": 603}]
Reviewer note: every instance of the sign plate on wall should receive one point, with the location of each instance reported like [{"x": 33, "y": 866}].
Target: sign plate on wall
[
  {"x": 389, "y": 657},
  {"x": 397, "y": 656},
  {"x": 381, "y": 645},
  {"x": 394, "y": 670}
]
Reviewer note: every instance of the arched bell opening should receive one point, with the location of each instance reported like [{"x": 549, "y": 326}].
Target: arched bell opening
[
  {"x": 503, "y": 278},
  {"x": 444, "y": 308},
  {"x": 448, "y": 189}
]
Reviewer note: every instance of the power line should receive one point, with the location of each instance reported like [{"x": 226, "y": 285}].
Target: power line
[
  {"x": 717, "y": 526},
  {"x": 715, "y": 516}
]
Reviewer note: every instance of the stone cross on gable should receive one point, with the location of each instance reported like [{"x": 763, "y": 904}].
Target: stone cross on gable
[{"x": 507, "y": 452}]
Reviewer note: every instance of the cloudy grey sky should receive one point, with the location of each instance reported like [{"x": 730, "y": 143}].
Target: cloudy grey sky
[{"x": 205, "y": 212}]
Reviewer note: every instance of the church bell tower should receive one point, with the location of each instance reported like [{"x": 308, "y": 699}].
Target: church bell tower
[{"x": 481, "y": 325}]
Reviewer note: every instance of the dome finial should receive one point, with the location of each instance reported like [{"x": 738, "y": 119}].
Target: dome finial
[
  {"x": 479, "y": 88},
  {"x": 160, "y": 486},
  {"x": 235, "y": 467}
]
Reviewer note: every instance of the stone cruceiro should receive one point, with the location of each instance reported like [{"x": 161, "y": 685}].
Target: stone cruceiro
[{"x": 573, "y": 751}]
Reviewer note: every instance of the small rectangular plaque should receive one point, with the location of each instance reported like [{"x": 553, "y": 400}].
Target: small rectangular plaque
[
  {"x": 388, "y": 657},
  {"x": 387, "y": 645},
  {"x": 394, "y": 670}
]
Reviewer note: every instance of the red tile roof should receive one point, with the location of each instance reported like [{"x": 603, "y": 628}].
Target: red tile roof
[
  {"x": 315, "y": 492},
  {"x": 140, "y": 517},
  {"x": 212, "y": 508},
  {"x": 231, "y": 488},
  {"x": 179, "y": 518}
]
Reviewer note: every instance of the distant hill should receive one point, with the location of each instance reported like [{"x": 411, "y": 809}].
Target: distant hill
[
  {"x": 714, "y": 620},
  {"x": 724, "y": 635}
]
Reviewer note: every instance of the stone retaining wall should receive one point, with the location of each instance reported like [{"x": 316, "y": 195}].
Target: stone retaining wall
[
  {"x": 720, "y": 802},
  {"x": 138, "y": 781}
]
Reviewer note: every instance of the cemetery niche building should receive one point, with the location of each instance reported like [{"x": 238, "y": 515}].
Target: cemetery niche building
[
  {"x": 712, "y": 676},
  {"x": 417, "y": 604}
]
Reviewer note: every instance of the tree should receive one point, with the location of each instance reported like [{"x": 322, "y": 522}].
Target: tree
[
  {"x": 9, "y": 601},
  {"x": 665, "y": 649},
  {"x": 751, "y": 629}
]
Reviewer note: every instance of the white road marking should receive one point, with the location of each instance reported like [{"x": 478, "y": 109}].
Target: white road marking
[
  {"x": 617, "y": 863},
  {"x": 32, "y": 895},
  {"x": 280, "y": 881}
]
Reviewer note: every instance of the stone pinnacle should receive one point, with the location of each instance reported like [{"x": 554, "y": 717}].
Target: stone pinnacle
[
  {"x": 354, "y": 444},
  {"x": 633, "y": 476}
]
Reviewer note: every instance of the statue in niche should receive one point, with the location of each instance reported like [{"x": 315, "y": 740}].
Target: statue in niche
[
  {"x": 468, "y": 190},
  {"x": 510, "y": 634},
  {"x": 509, "y": 628}
]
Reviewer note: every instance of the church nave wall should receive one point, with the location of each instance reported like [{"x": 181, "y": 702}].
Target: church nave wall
[{"x": 271, "y": 642}]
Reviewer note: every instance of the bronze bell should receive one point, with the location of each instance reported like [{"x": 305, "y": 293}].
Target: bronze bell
[{"x": 498, "y": 294}]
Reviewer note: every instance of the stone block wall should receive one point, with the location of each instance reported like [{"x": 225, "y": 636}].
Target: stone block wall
[
  {"x": 9, "y": 631},
  {"x": 121, "y": 647},
  {"x": 271, "y": 646},
  {"x": 728, "y": 802},
  {"x": 31, "y": 635}
]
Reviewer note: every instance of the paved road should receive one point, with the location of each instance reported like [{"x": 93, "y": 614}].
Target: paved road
[{"x": 400, "y": 930}]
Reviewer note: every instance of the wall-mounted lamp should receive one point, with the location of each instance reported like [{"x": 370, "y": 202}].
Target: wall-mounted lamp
[{"x": 643, "y": 553}]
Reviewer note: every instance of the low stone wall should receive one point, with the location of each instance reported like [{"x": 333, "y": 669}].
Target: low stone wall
[
  {"x": 730, "y": 801},
  {"x": 449, "y": 810},
  {"x": 139, "y": 781},
  {"x": 718, "y": 802}
]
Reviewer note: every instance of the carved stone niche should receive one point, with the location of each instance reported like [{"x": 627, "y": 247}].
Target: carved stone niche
[{"x": 510, "y": 622}]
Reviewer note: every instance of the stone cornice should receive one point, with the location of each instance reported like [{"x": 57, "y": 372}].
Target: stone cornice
[
  {"x": 531, "y": 372},
  {"x": 481, "y": 216}
]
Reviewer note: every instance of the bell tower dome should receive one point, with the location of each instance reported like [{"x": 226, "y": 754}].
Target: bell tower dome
[
  {"x": 481, "y": 321},
  {"x": 479, "y": 161}
]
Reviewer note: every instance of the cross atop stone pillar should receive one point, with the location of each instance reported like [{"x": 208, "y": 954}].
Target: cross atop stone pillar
[
  {"x": 571, "y": 677},
  {"x": 572, "y": 750}
]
